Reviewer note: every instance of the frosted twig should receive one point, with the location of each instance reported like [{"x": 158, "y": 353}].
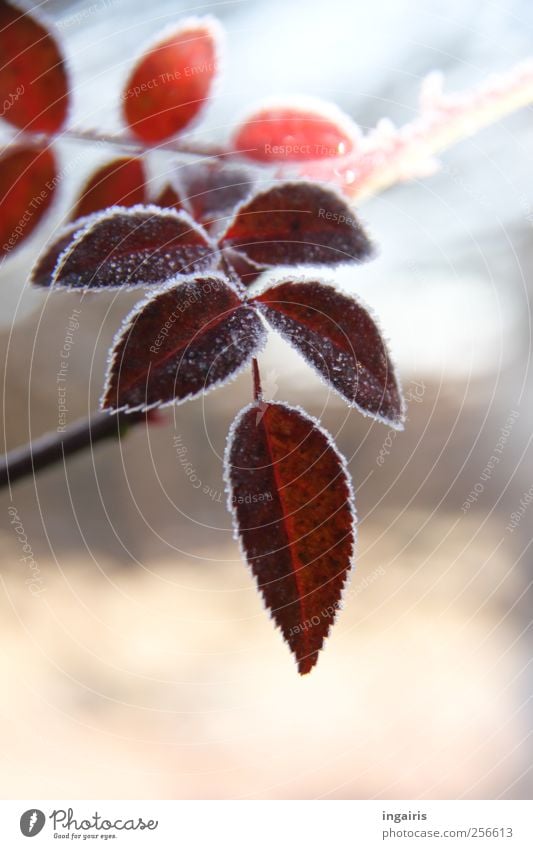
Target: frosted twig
[{"x": 389, "y": 155}]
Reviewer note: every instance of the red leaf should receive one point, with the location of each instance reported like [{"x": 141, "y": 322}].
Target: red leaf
[
  {"x": 295, "y": 133},
  {"x": 42, "y": 272},
  {"x": 292, "y": 502},
  {"x": 247, "y": 271},
  {"x": 213, "y": 189},
  {"x": 34, "y": 89},
  {"x": 337, "y": 336},
  {"x": 180, "y": 343},
  {"x": 141, "y": 246},
  {"x": 171, "y": 82},
  {"x": 169, "y": 198},
  {"x": 117, "y": 183},
  {"x": 27, "y": 187},
  {"x": 297, "y": 223}
]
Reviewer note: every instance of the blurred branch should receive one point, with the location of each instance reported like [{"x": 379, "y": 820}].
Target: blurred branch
[
  {"x": 123, "y": 141},
  {"x": 54, "y": 446},
  {"x": 389, "y": 155}
]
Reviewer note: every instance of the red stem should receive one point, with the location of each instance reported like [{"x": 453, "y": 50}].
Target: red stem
[{"x": 258, "y": 392}]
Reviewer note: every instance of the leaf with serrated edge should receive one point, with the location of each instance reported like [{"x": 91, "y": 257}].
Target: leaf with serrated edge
[
  {"x": 297, "y": 223},
  {"x": 338, "y": 336},
  {"x": 292, "y": 501},
  {"x": 135, "y": 246},
  {"x": 181, "y": 342}
]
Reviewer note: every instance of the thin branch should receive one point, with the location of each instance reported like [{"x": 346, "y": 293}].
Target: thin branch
[
  {"x": 384, "y": 156},
  {"x": 124, "y": 142},
  {"x": 48, "y": 449}
]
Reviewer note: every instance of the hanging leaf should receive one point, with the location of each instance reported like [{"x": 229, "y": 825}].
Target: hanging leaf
[
  {"x": 213, "y": 189},
  {"x": 297, "y": 223},
  {"x": 171, "y": 82},
  {"x": 117, "y": 183},
  {"x": 292, "y": 502},
  {"x": 28, "y": 180},
  {"x": 180, "y": 343},
  {"x": 295, "y": 132},
  {"x": 337, "y": 336},
  {"x": 141, "y": 246},
  {"x": 34, "y": 90}
]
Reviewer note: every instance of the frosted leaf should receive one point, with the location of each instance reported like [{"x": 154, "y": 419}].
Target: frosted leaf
[
  {"x": 292, "y": 501},
  {"x": 43, "y": 270},
  {"x": 181, "y": 342},
  {"x": 297, "y": 223},
  {"x": 137, "y": 246},
  {"x": 213, "y": 189},
  {"x": 340, "y": 339}
]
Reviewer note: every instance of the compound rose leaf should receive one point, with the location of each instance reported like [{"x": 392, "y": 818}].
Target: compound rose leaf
[
  {"x": 214, "y": 189},
  {"x": 292, "y": 502},
  {"x": 139, "y": 246},
  {"x": 180, "y": 343},
  {"x": 34, "y": 89},
  {"x": 297, "y": 223},
  {"x": 341, "y": 340},
  {"x": 121, "y": 182},
  {"x": 171, "y": 82},
  {"x": 28, "y": 182},
  {"x": 296, "y": 132}
]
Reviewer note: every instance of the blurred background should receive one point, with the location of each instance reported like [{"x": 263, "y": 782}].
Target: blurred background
[{"x": 146, "y": 667}]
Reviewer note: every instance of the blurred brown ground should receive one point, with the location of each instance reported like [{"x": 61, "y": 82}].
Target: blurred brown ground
[{"x": 148, "y": 668}]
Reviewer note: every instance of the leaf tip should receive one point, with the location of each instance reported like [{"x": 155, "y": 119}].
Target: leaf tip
[{"x": 307, "y": 664}]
